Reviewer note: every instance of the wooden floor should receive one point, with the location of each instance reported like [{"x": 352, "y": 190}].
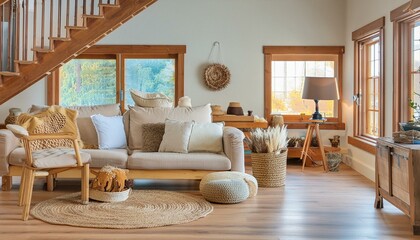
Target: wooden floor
[{"x": 312, "y": 205}]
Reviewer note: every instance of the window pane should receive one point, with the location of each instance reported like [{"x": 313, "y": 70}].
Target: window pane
[
  {"x": 88, "y": 82},
  {"x": 372, "y": 123},
  {"x": 149, "y": 75},
  {"x": 287, "y": 90}
]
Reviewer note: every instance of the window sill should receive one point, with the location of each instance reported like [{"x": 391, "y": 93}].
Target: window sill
[
  {"x": 324, "y": 126},
  {"x": 366, "y": 144}
]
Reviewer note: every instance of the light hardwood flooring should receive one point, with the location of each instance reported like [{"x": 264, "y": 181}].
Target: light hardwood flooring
[{"x": 312, "y": 205}]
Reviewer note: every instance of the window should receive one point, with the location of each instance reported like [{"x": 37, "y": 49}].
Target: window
[
  {"x": 285, "y": 72},
  {"x": 368, "y": 85},
  {"x": 406, "y": 60},
  {"x": 148, "y": 75},
  {"x": 105, "y": 75}
]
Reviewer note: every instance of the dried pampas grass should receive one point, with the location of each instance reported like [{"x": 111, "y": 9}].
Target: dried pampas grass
[{"x": 268, "y": 140}]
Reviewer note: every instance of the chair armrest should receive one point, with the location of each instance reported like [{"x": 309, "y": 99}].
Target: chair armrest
[
  {"x": 8, "y": 143},
  {"x": 233, "y": 147}
]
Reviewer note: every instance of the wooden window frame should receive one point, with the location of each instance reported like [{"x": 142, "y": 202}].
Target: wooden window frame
[
  {"x": 402, "y": 17},
  {"x": 119, "y": 52},
  {"x": 361, "y": 37},
  {"x": 297, "y": 121}
]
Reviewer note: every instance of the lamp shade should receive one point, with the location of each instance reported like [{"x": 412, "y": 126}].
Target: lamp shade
[{"x": 320, "y": 88}]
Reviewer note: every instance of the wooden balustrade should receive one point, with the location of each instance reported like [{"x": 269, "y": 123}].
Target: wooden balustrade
[{"x": 27, "y": 26}]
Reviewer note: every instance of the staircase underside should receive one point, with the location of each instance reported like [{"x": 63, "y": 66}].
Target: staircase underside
[{"x": 64, "y": 50}]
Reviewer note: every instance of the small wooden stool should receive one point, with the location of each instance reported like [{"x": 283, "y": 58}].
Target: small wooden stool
[{"x": 313, "y": 125}]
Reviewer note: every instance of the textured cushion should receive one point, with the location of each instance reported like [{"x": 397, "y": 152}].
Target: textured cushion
[
  {"x": 57, "y": 157},
  {"x": 144, "y": 99},
  {"x": 249, "y": 179},
  {"x": 225, "y": 191},
  {"x": 168, "y": 160},
  {"x": 206, "y": 137},
  {"x": 54, "y": 119},
  {"x": 152, "y": 136},
  {"x": 176, "y": 136},
  {"x": 84, "y": 122},
  {"x": 140, "y": 116},
  {"x": 110, "y": 131}
]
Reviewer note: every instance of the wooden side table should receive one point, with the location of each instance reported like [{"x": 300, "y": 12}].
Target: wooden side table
[{"x": 313, "y": 126}]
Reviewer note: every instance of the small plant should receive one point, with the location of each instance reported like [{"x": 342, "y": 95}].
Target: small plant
[{"x": 272, "y": 139}]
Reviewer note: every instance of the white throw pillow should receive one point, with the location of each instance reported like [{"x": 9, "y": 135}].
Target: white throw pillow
[
  {"x": 110, "y": 131},
  {"x": 176, "y": 136},
  {"x": 206, "y": 137}
]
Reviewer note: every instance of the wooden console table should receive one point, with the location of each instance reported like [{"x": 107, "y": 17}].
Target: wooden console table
[{"x": 397, "y": 177}]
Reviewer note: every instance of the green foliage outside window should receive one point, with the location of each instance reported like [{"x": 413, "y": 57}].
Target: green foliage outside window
[{"x": 85, "y": 82}]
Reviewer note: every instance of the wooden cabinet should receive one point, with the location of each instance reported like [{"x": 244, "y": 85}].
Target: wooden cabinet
[{"x": 397, "y": 173}]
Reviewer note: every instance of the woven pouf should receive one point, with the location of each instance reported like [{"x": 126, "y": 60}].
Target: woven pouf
[
  {"x": 225, "y": 191},
  {"x": 219, "y": 186}
]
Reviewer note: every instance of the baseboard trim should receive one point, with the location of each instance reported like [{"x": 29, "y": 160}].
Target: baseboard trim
[{"x": 360, "y": 167}]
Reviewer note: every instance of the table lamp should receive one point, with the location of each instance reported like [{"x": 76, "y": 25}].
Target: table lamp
[{"x": 320, "y": 88}]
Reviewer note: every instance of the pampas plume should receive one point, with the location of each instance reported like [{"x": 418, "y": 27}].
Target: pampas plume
[{"x": 268, "y": 140}]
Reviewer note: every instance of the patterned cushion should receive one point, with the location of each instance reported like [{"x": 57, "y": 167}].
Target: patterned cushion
[
  {"x": 54, "y": 119},
  {"x": 57, "y": 157}
]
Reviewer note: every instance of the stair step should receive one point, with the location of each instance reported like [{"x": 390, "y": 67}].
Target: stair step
[
  {"x": 25, "y": 62},
  {"x": 109, "y": 5},
  {"x": 63, "y": 39},
  {"x": 9, "y": 74},
  {"x": 76, "y": 27},
  {"x": 102, "y": 6},
  {"x": 93, "y": 16},
  {"x": 42, "y": 50}
]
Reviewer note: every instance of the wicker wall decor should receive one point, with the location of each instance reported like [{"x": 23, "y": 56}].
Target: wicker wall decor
[{"x": 216, "y": 75}]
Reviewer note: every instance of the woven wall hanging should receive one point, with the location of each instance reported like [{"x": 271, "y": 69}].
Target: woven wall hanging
[{"x": 216, "y": 75}]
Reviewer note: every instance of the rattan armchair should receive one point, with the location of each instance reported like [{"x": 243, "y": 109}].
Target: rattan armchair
[{"x": 47, "y": 162}]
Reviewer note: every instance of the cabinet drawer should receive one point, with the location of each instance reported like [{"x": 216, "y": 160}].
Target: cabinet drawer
[{"x": 399, "y": 174}]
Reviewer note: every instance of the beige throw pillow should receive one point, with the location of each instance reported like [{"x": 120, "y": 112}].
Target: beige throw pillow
[
  {"x": 176, "y": 137},
  {"x": 206, "y": 137},
  {"x": 144, "y": 99},
  {"x": 152, "y": 136}
]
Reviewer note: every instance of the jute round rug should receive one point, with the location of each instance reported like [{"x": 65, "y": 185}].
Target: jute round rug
[{"x": 144, "y": 208}]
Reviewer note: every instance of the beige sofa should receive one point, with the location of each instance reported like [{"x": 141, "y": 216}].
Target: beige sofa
[{"x": 144, "y": 165}]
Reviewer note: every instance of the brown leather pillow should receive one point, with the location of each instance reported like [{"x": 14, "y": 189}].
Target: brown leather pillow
[{"x": 152, "y": 136}]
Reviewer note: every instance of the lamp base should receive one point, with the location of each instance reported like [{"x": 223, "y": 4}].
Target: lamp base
[{"x": 317, "y": 116}]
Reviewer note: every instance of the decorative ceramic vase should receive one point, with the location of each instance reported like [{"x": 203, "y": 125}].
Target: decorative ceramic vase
[
  {"x": 235, "y": 109},
  {"x": 13, "y": 115}
]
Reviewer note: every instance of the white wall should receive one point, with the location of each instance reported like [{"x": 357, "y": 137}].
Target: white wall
[{"x": 358, "y": 14}]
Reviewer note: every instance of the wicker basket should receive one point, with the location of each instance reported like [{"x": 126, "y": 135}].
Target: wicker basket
[
  {"x": 269, "y": 168},
  {"x": 109, "y": 196}
]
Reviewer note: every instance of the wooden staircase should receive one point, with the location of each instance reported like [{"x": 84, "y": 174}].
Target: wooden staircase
[{"x": 23, "y": 64}]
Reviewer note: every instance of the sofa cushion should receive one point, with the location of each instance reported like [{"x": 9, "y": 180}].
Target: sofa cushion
[
  {"x": 110, "y": 131},
  {"x": 167, "y": 160},
  {"x": 140, "y": 116},
  {"x": 206, "y": 137},
  {"x": 99, "y": 158},
  {"x": 176, "y": 136},
  {"x": 84, "y": 122},
  {"x": 113, "y": 157}
]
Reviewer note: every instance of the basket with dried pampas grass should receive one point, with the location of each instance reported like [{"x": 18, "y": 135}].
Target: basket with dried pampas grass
[{"x": 269, "y": 155}]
